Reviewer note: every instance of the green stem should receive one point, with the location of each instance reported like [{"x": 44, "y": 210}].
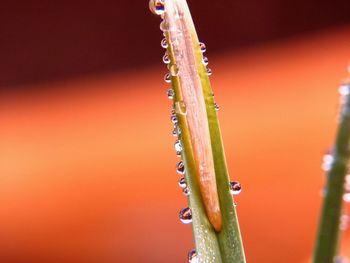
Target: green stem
[
  {"x": 214, "y": 220},
  {"x": 328, "y": 233}
]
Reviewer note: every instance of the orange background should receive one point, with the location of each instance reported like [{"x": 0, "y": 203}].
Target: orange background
[{"x": 87, "y": 167}]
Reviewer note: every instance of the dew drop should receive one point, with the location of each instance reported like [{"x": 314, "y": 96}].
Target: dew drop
[
  {"x": 164, "y": 26},
  {"x": 157, "y": 7},
  {"x": 174, "y": 132},
  {"x": 344, "y": 90},
  {"x": 180, "y": 167},
  {"x": 205, "y": 61},
  {"x": 209, "y": 72},
  {"x": 192, "y": 256},
  {"x": 182, "y": 182},
  {"x": 173, "y": 118},
  {"x": 170, "y": 93},
  {"x": 202, "y": 47},
  {"x": 164, "y": 43},
  {"x": 344, "y": 220},
  {"x": 186, "y": 191},
  {"x": 180, "y": 107},
  {"x": 328, "y": 160},
  {"x": 166, "y": 58},
  {"x": 185, "y": 215},
  {"x": 178, "y": 146},
  {"x": 341, "y": 259},
  {"x": 235, "y": 188},
  {"x": 216, "y": 106},
  {"x": 174, "y": 70},
  {"x": 167, "y": 78},
  {"x": 346, "y": 197}
]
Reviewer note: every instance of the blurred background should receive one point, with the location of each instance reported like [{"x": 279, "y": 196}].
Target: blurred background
[{"x": 87, "y": 166}]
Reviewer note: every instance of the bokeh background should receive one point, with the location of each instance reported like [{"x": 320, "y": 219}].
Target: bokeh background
[{"x": 87, "y": 166}]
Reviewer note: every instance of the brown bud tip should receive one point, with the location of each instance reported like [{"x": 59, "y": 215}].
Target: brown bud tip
[{"x": 215, "y": 219}]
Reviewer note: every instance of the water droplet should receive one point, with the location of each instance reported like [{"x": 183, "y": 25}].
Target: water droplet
[
  {"x": 344, "y": 220},
  {"x": 346, "y": 197},
  {"x": 180, "y": 107},
  {"x": 328, "y": 160},
  {"x": 178, "y": 146},
  {"x": 164, "y": 43},
  {"x": 341, "y": 259},
  {"x": 174, "y": 71},
  {"x": 178, "y": 154},
  {"x": 167, "y": 78},
  {"x": 209, "y": 72},
  {"x": 174, "y": 132},
  {"x": 235, "y": 188},
  {"x": 216, "y": 106},
  {"x": 185, "y": 215},
  {"x": 173, "y": 118},
  {"x": 170, "y": 93},
  {"x": 202, "y": 47},
  {"x": 344, "y": 89},
  {"x": 205, "y": 61},
  {"x": 164, "y": 26},
  {"x": 186, "y": 191},
  {"x": 182, "y": 182},
  {"x": 347, "y": 183},
  {"x": 166, "y": 58},
  {"x": 192, "y": 256},
  {"x": 180, "y": 167},
  {"x": 157, "y": 7}
]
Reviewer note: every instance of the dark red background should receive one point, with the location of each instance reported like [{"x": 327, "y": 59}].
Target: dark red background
[{"x": 50, "y": 40}]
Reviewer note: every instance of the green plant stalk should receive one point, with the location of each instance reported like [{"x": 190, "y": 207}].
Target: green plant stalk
[
  {"x": 215, "y": 242},
  {"x": 327, "y": 242}
]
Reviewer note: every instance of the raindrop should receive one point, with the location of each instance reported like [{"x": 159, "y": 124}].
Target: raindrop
[
  {"x": 186, "y": 215},
  {"x": 157, "y": 7},
  {"x": 202, "y": 47},
  {"x": 180, "y": 107},
  {"x": 186, "y": 191},
  {"x": 182, "y": 182},
  {"x": 167, "y": 78},
  {"x": 174, "y": 71},
  {"x": 235, "y": 188},
  {"x": 178, "y": 146},
  {"x": 192, "y": 256},
  {"x": 180, "y": 167},
  {"x": 166, "y": 58},
  {"x": 205, "y": 61},
  {"x": 170, "y": 93},
  {"x": 164, "y": 43},
  {"x": 209, "y": 72},
  {"x": 216, "y": 106}
]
